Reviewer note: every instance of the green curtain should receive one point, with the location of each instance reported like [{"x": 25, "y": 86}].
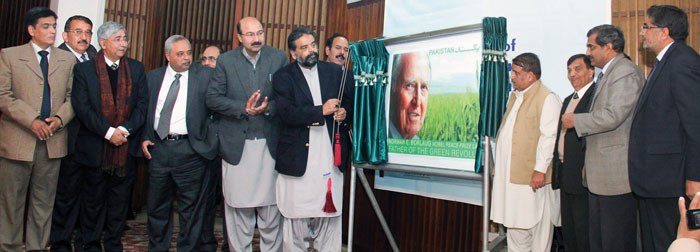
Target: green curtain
[
  {"x": 493, "y": 87},
  {"x": 369, "y": 117}
]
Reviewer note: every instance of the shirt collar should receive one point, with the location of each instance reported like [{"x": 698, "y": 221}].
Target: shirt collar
[
  {"x": 663, "y": 51},
  {"x": 608, "y": 64},
  {"x": 169, "y": 71},
  {"x": 251, "y": 59},
  {"x": 77, "y": 55},
  {"x": 307, "y": 70},
  {"x": 37, "y": 48},
  {"x": 583, "y": 90},
  {"x": 109, "y": 62}
]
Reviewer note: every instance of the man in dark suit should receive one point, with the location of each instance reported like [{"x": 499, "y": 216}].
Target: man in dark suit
[
  {"x": 664, "y": 160},
  {"x": 112, "y": 98},
  {"x": 241, "y": 94},
  {"x": 310, "y": 184},
  {"x": 76, "y": 36},
  {"x": 569, "y": 152},
  {"x": 179, "y": 138},
  {"x": 35, "y": 93}
]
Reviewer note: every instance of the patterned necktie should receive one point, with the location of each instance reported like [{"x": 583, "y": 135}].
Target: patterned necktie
[
  {"x": 45, "y": 111},
  {"x": 84, "y": 58},
  {"x": 167, "y": 111},
  {"x": 114, "y": 66},
  {"x": 600, "y": 77}
]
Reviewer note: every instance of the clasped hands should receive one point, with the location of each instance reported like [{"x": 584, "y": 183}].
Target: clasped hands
[
  {"x": 43, "y": 129},
  {"x": 250, "y": 107}
]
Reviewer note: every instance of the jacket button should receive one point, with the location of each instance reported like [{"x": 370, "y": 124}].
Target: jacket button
[
  {"x": 307, "y": 144},
  {"x": 308, "y": 127}
]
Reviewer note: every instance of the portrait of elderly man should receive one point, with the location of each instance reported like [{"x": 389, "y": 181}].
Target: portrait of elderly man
[{"x": 409, "y": 94}]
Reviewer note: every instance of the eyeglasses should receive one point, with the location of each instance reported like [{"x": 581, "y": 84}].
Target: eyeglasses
[
  {"x": 647, "y": 27},
  {"x": 120, "y": 39},
  {"x": 80, "y": 32},
  {"x": 209, "y": 58},
  {"x": 251, "y": 34}
]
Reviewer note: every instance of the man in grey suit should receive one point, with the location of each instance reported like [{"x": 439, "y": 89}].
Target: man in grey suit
[
  {"x": 241, "y": 93},
  {"x": 606, "y": 128},
  {"x": 179, "y": 139}
]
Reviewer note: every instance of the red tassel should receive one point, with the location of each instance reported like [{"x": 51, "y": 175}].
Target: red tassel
[
  {"x": 336, "y": 155},
  {"x": 329, "y": 207}
]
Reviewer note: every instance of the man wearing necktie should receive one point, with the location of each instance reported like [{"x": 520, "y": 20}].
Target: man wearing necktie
[
  {"x": 179, "y": 139},
  {"x": 76, "y": 37},
  {"x": 35, "y": 91},
  {"x": 569, "y": 152},
  {"x": 112, "y": 98},
  {"x": 606, "y": 126},
  {"x": 665, "y": 135}
]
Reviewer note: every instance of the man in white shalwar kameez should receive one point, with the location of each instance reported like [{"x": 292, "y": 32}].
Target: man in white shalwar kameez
[
  {"x": 522, "y": 198},
  {"x": 310, "y": 183}
]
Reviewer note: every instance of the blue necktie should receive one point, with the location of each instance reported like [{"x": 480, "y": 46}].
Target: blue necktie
[{"x": 45, "y": 111}]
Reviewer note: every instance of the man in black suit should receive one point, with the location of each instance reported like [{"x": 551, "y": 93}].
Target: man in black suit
[
  {"x": 665, "y": 135},
  {"x": 310, "y": 184},
  {"x": 179, "y": 138},
  {"x": 111, "y": 98},
  {"x": 569, "y": 153},
  {"x": 76, "y": 36}
]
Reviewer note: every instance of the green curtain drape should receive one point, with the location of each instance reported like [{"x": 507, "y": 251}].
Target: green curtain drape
[
  {"x": 370, "y": 60},
  {"x": 493, "y": 87}
]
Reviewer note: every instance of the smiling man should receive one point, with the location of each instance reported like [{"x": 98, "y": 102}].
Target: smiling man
[
  {"x": 35, "y": 91},
  {"x": 410, "y": 84}
]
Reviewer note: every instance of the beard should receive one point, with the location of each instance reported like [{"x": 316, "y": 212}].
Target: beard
[{"x": 309, "y": 61}]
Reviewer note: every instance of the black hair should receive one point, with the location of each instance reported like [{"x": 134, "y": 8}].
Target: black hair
[
  {"x": 67, "y": 27},
  {"x": 329, "y": 41},
  {"x": 34, "y": 14},
  {"x": 609, "y": 34},
  {"x": 529, "y": 62},
  {"x": 586, "y": 60},
  {"x": 671, "y": 17},
  {"x": 296, "y": 34}
]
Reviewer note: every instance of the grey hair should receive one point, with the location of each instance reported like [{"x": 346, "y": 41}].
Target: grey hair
[
  {"x": 172, "y": 39},
  {"x": 397, "y": 68},
  {"x": 109, "y": 28}
]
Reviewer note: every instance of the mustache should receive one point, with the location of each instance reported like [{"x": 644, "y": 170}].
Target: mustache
[
  {"x": 82, "y": 42},
  {"x": 187, "y": 62},
  {"x": 340, "y": 56},
  {"x": 257, "y": 43}
]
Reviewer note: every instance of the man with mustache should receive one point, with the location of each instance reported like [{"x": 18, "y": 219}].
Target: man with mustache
[
  {"x": 179, "y": 139},
  {"x": 112, "y": 98},
  {"x": 310, "y": 184},
  {"x": 241, "y": 94},
  {"x": 337, "y": 49},
  {"x": 410, "y": 80},
  {"x": 77, "y": 35},
  {"x": 35, "y": 104}
]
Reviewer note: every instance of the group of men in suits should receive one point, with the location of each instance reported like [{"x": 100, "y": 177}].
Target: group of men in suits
[
  {"x": 624, "y": 147},
  {"x": 176, "y": 116}
]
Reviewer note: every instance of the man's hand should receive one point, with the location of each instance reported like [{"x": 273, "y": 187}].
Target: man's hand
[
  {"x": 250, "y": 104},
  {"x": 691, "y": 188},
  {"x": 118, "y": 138},
  {"x": 144, "y": 148},
  {"x": 54, "y": 123},
  {"x": 683, "y": 231},
  {"x": 537, "y": 180},
  {"x": 330, "y": 107},
  {"x": 567, "y": 120},
  {"x": 340, "y": 114},
  {"x": 41, "y": 130},
  {"x": 260, "y": 109}
]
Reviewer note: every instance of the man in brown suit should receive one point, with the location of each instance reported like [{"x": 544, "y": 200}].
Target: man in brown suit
[{"x": 35, "y": 88}]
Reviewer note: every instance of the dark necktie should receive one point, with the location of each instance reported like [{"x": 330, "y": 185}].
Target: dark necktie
[
  {"x": 575, "y": 95},
  {"x": 45, "y": 111},
  {"x": 83, "y": 57},
  {"x": 114, "y": 66},
  {"x": 167, "y": 111},
  {"x": 656, "y": 62},
  {"x": 600, "y": 77}
]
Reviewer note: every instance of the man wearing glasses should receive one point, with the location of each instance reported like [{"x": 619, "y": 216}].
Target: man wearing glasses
[
  {"x": 241, "y": 93},
  {"x": 76, "y": 37},
  {"x": 209, "y": 56}
]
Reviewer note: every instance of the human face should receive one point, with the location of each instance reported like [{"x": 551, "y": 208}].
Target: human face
[
  {"x": 520, "y": 78},
  {"x": 251, "y": 35},
  {"x": 180, "y": 56},
  {"x": 209, "y": 56},
  {"x": 652, "y": 36},
  {"x": 115, "y": 45},
  {"x": 44, "y": 32},
  {"x": 79, "y": 36},
  {"x": 306, "y": 52},
  {"x": 410, "y": 96},
  {"x": 579, "y": 74},
  {"x": 599, "y": 55},
  {"x": 338, "y": 51}
]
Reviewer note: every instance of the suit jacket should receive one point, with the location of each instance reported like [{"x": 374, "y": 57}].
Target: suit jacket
[
  {"x": 233, "y": 83},
  {"x": 297, "y": 114},
  {"x": 201, "y": 128},
  {"x": 21, "y": 91},
  {"x": 607, "y": 127},
  {"x": 88, "y": 109},
  {"x": 665, "y": 135},
  {"x": 568, "y": 174},
  {"x": 72, "y": 126}
]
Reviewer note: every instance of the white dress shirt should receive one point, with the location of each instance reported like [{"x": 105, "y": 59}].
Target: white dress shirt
[
  {"x": 178, "y": 122},
  {"x": 78, "y": 55}
]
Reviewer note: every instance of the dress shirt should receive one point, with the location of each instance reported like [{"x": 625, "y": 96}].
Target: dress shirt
[
  {"x": 178, "y": 123},
  {"x": 78, "y": 55},
  {"x": 663, "y": 52},
  {"x": 252, "y": 60},
  {"x": 36, "y": 52}
]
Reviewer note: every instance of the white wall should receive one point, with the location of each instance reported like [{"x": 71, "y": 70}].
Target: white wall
[{"x": 92, "y": 9}]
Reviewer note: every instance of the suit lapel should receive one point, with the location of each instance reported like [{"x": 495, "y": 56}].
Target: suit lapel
[
  {"x": 31, "y": 61},
  {"x": 192, "y": 84},
  {"x": 650, "y": 82},
  {"x": 55, "y": 62},
  {"x": 323, "y": 77},
  {"x": 301, "y": 81},
  {"x": 155, "y": 90}
]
